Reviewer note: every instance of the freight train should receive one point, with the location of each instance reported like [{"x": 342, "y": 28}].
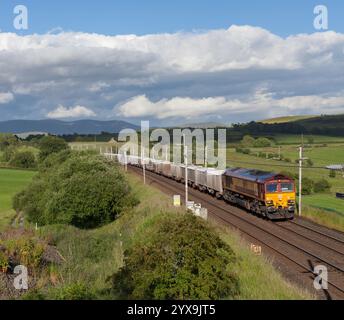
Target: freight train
[{"x": 267, "y": 194}]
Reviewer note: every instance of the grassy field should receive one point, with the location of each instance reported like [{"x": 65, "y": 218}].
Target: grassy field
[
  {"x": 11, "y": 182},
  {"x": 292, "y": 139}
]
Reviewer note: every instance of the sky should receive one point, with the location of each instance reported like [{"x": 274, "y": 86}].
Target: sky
[{"x": 167, "y": 61}]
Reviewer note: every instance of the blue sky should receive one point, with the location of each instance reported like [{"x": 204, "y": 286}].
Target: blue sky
[
  {"x": 157, "y": 16},
  {"x": 170, "y": 61}
]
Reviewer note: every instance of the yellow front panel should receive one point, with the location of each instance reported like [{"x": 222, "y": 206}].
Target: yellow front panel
[{"x": 280, "y": 199}]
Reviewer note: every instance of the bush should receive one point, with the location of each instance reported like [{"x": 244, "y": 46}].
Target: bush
[
  {"x": 178, "y": 257},
  {"x": 262, "y": 143},
  {"x": 307, "y": 186},
  {"x": 309, "y": 163},
  {"x": 85, "y": 191},
  {"x": 8, "y": 153},
  {"x": 248, "y": 141},
  {"x": 49, "y": 145},
  {"x": 23, "y": 159},
  {"x": 322, "y": 186},
  {"x": 7, "y": 140},
  {"x": 332, "y": 174}
]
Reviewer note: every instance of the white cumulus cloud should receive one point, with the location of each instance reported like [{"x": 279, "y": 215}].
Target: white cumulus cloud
[
  {"x": 6, "y": 97},
  {"x": 62, "y": 112},
  {"x": 266, "y": 103}
]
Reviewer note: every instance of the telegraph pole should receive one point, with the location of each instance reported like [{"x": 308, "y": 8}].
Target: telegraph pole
[
  {"x": 301, "y": 159},
  {"x": 300, "y": 180}
]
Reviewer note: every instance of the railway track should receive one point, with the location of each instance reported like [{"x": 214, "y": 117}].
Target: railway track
[{"x": 297, "y": 252}]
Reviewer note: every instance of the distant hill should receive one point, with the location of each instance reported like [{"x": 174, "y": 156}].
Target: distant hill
[
  {"x": 327, "y": 125},
  {"x": 64, "y": 127},
  {"x": 286, "y": 119},
  {"x": 205, "y": 125}
]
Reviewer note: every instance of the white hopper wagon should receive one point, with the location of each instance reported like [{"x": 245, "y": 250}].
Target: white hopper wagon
[
  {"x": 214, "y": 182},
  {"x": 201, "y": 178}
]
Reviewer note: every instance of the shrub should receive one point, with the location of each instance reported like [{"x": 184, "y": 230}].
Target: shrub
[
  {"x": 85, "y": 191},
  {"x": 322, "y": 186},
  {"x": 178, "y": 257},
  {"x": 262, "y": 143},
  {"x": 248, "y": 141},
  {"x": 310, "y": 162},
  {"x": 49, "y": 145},
  {"x": 8, "y": 153},
  {"x": 307, "y": 186},
  {"x": 7, "y": 140},
  {"x": 332, "y": 174},
  {"x": 23, "y": 159}
]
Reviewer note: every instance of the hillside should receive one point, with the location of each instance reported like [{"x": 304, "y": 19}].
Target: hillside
[
  {"x": 286, "y": 119},
  {"x": 326, "y": 125},
  {"x": 64, "y": 127}
]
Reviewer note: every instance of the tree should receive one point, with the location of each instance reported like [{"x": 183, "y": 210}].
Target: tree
[
  {"x": 262, "y": 143},
  {"x": 177, "y": 257},
  {"x": 310, "y": 140},
  {"x": 247, "y": 141},
  {"x": 85, "y": 191},
  {"x": 23, "y": 159},
  {"x": 49, "y": 145},
  {"x": 310, "y": 162},
  {"x": 307, "y": 186},
  {"x": 332, "y": 173},
  {"x": 7, "y": 140},
  {"x": 322, "y": 186}
]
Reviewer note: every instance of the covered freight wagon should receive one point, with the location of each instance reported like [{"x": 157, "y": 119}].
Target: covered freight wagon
[{"x": 214, "y": 182}]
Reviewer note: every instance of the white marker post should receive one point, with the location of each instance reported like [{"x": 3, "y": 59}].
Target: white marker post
[
  {"x": 186, "y": 173},
  {"x": 143, "y": 165}
]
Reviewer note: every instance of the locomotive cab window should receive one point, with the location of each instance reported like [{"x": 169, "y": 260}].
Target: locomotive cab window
[
  {"x": 272, "y": 187},
  {"x": 287, "y": 187}
]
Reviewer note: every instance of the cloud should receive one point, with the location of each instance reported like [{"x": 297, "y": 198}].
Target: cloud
[
  {"x": 6, "y": 97},
  {"x": 141, "y": 106},
  {"x": 75, "y": 112},
  {"x": 197, "y": 74}
]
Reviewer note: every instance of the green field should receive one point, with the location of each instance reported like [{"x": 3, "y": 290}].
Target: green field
[
  {"x": 292, "y": 139},
  {"x": 11, "y": 182}
]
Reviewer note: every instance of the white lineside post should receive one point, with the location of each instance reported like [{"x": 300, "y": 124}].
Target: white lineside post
[
  {"x": 111, "y": 153},
  {"x": 126, "y": 160},
  {"x": 206, "y": 157},
  {"x": 143, "y": 164},
  {"x": 300, "y": 180},
  {"x": 186, "y": 173}
]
